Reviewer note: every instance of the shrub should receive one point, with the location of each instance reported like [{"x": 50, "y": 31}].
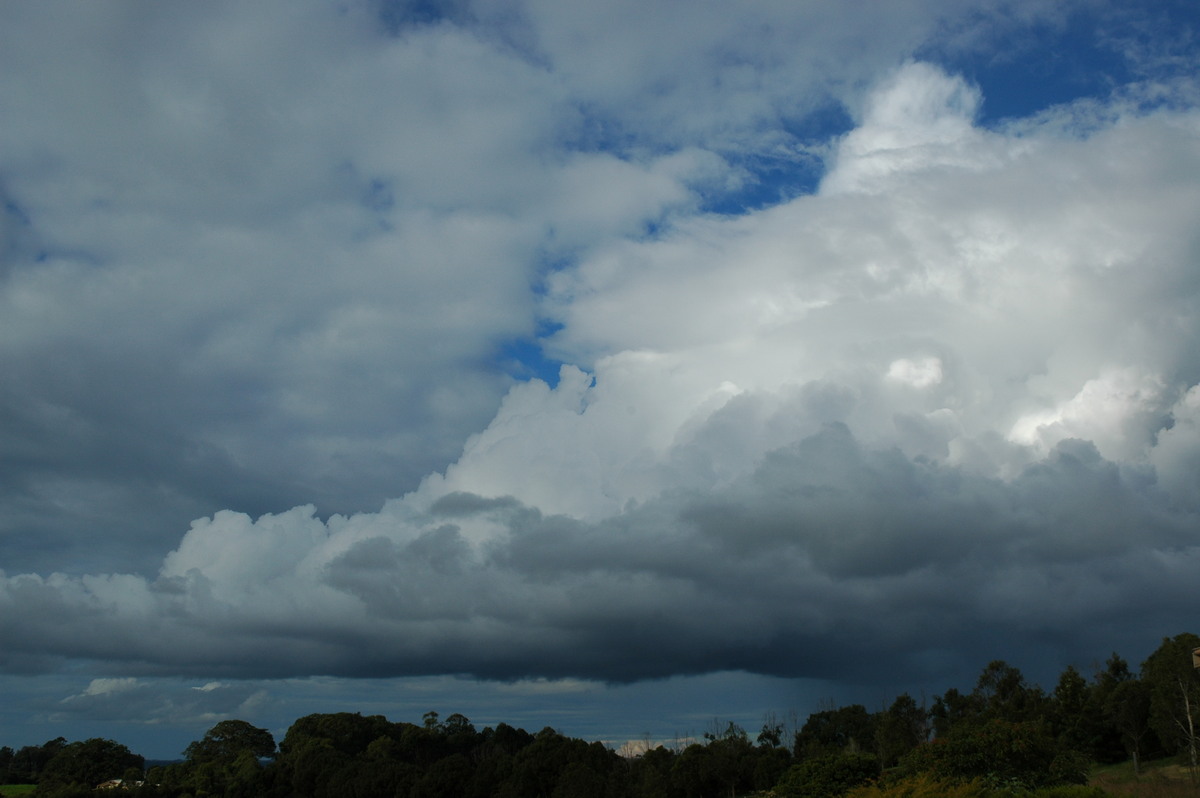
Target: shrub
[
  {"x": 1005, "y": 756},
  {"x": 921, "y": 785},
  {"x": 827, "y": 776},
  {"x": 1069, "y": 791}
]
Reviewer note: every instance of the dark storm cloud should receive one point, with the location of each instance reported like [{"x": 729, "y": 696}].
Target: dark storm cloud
[{"x": 829, "y": 556}]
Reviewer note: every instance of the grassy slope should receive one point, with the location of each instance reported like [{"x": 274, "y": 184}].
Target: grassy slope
[{"x": 1164, "y": 778}]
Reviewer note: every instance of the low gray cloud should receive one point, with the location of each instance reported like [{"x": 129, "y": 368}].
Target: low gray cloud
[
  {"x": 828, "y": 557},
  {"x": 157, "y": 702}
]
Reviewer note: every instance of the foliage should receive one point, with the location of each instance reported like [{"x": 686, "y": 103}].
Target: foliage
[
  {"x": 651, "y": 774},
  {"x": 926, "y": 786},
  {"x": 1069, "y": 715},
  {"x": 999, "y": 753},
  {"x": 1113, "y": 727},
  {"x": 1174, "y": 687},
  {"x": 555, "y": 765},
  {"x": 921, "y": 785},
  {"x": 86, "y": 764},
  {"x": 845, "y": 729},
  {"x": 26, "y": 764},
  {"x": 769, "y": 767},
  {"x": 900, "y": 729},
  {"x": 227, "y": 761},
  {"x": 228, "y": 740},
  {"x": 1127, "y": 709},
  {"x": 1003, "y": 694},
  {"x": 828, "y": 776}
]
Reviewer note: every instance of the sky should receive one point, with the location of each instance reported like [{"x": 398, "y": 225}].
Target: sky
[{"x": 621, "y": 367}]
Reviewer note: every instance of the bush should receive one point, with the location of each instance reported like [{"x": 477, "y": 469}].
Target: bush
[
  {"x": 1070, "y": 791},
  {"x": 1012, "y": 757},
  {"x": 828, "y": 776},
  {"x": 922, "y": 785},
  {"x": 926, "y": 786}
]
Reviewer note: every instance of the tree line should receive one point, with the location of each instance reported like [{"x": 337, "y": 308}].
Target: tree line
[{"x": 1003, "y": 737}]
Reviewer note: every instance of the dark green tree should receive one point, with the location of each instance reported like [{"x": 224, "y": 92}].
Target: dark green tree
[
  {"x": 828, "y": 776},
  {"x": 1127, "y": 710},
  {"x": 507, "y": 739},
  {"x": 381, "y": 769},
  {"x": 226, "y": 761},
  {"x": 245, "y": 776},
  {"x": 848, "y": 729},
  {"x": 1175, "y": 694},
  {"x": 651, "y": 777},
  {"x": 494, "y": 754},
  {"x": 228, "y": 740},
  {"x": 900, "y": 729},
  {"x": 539, "y": 768},
  {"x": 314, "y": 767},
  {"x": 348, "y": 732},
  {"x": 460, "y": 733},
  {"x": 1116, "y": 670},
  {"x": 693, "y": 773},
  {"x": 1108, "y": 745},
  {"x": 579, "y": 779},
  {"x": 1002, "y": 754},
  {"x": 769, "y": 766},
  {"x": 448, "y": 777},
  {"x": 29, "y": 761},
  {"x": 1003, "y": 694},
  {"x": 88, "y": 763},
  {"x": 1071, "y": 714},
  {"x": 952, "y": 709},
  {"x": 731, "y": 759},
  {"x": 6, "y": 759},
  {"x": 771, "y": 735}
]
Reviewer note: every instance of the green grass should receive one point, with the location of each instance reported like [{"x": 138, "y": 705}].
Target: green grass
[
  {"x": 16, "y": 789},
  {"x": 1163, "y": 778}
]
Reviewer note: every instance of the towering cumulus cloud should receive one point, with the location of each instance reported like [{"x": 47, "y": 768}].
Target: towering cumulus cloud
[{"x": 934, "y": 401}]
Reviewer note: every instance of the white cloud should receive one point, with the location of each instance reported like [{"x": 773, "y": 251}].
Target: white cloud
[
  {"x": 920, "y": 373},
  {"x": 1120, "y": 411},
  {"x": 156, "y": 702},
  {"x": 1176, "y": 454},
  {"x": 920, "y": 119},
  {"x": 106, "y": 686},
  {"x": 693, "y": 72}
]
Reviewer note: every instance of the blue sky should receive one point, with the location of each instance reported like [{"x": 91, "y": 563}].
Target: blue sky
[{"x": 611, "y": 367}]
